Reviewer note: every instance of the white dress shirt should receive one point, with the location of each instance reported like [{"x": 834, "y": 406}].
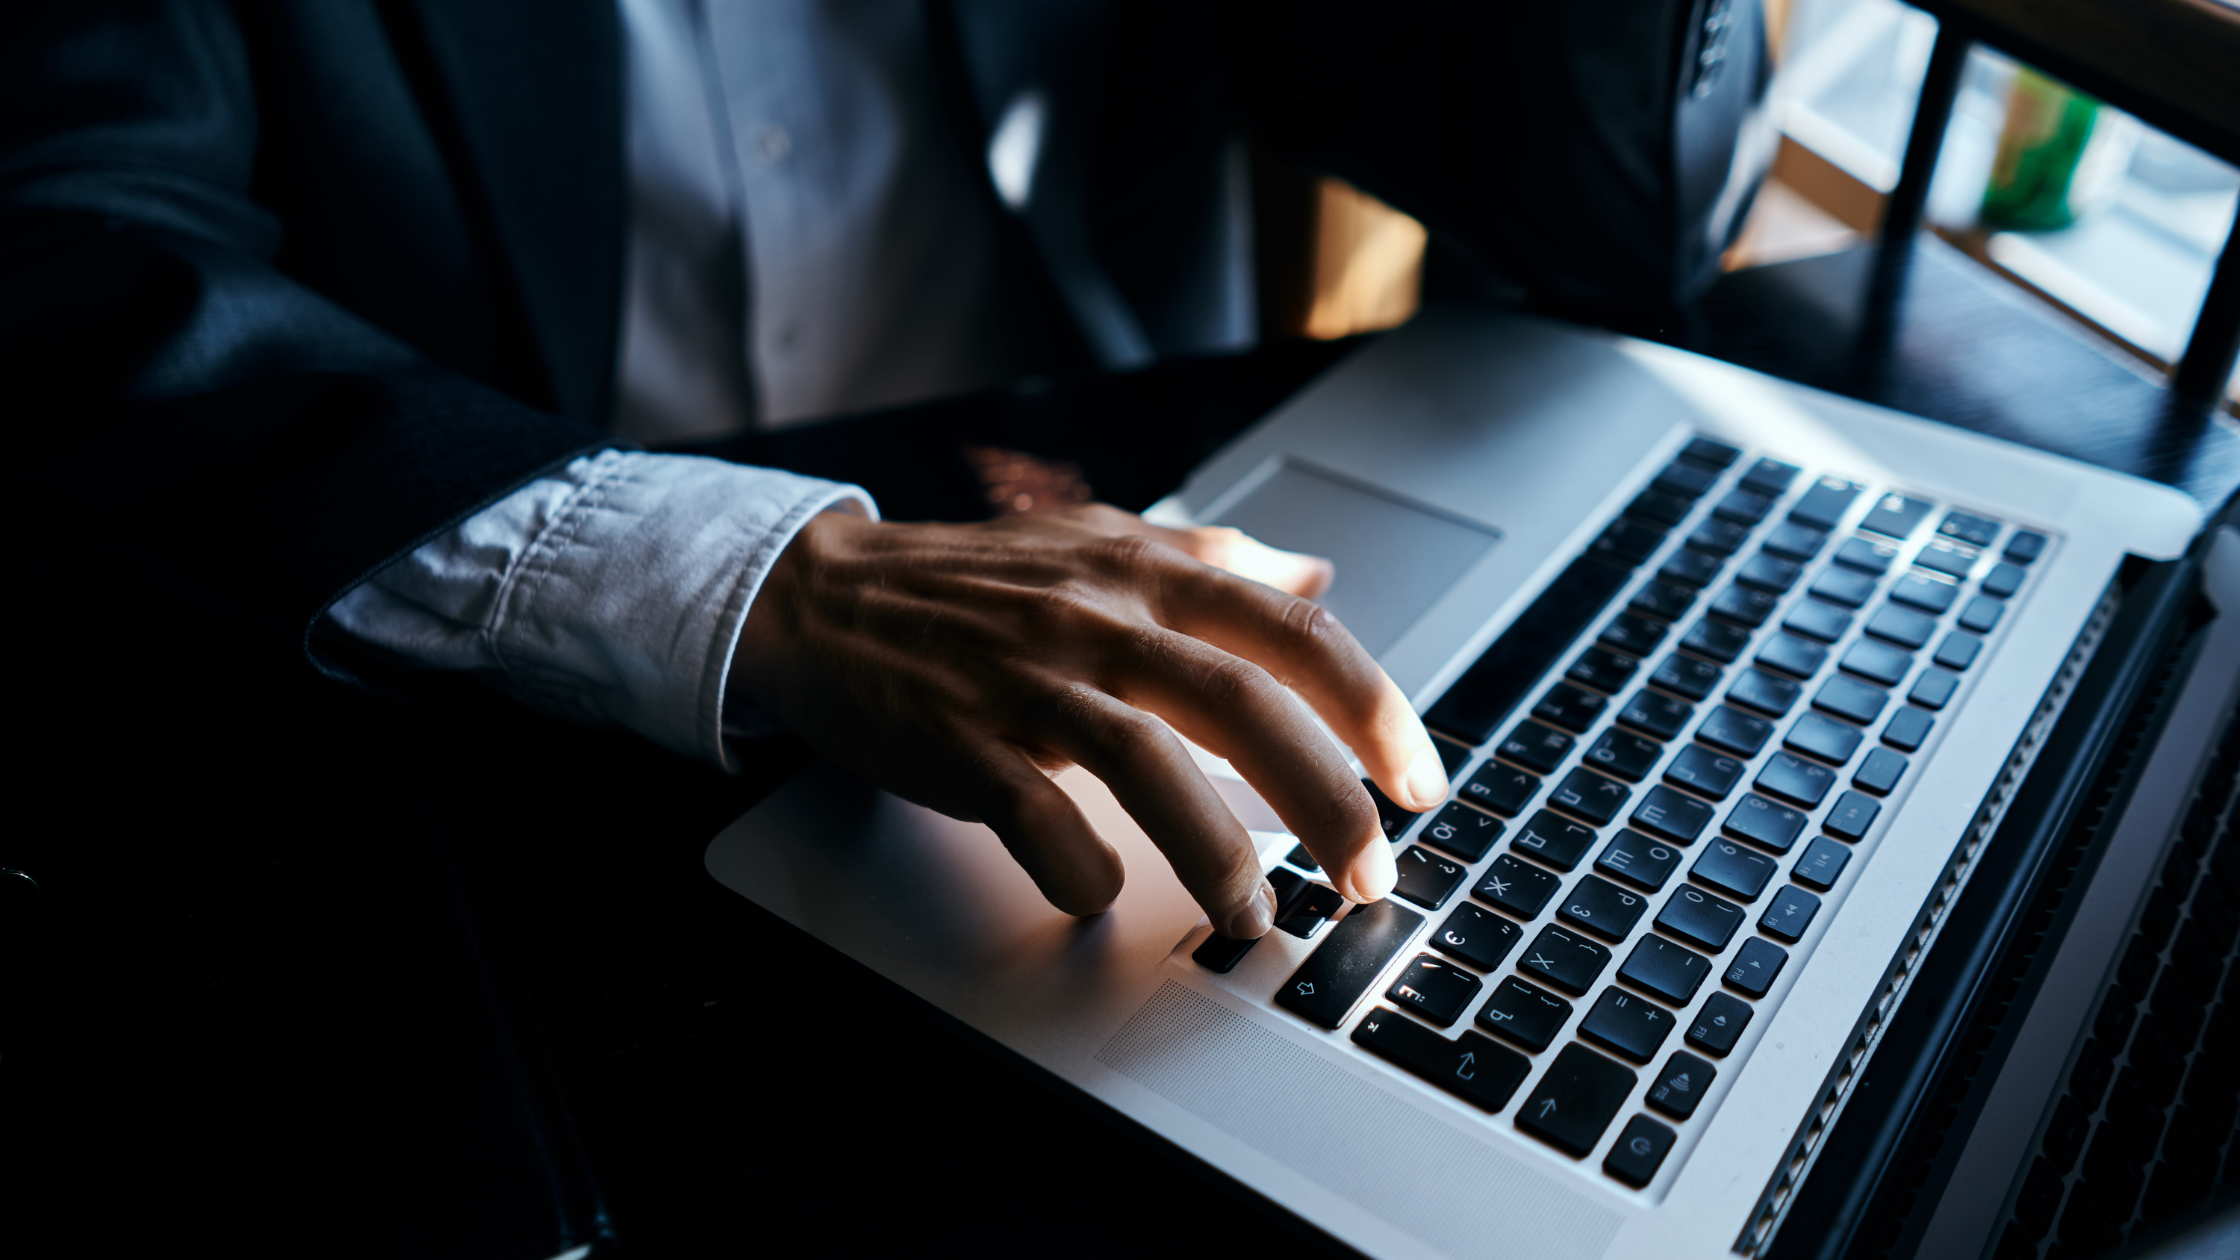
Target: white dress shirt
[{"x": 790, "y": 149}]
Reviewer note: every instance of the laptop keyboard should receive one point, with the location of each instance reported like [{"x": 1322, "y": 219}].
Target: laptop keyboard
[{"x": 1664, "y": 768}]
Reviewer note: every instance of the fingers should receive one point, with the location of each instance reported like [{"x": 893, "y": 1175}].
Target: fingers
[
  {"x": 1240, "y": 553},
  {"x": 1303, "y": 645},
  {"x": 1153, "y": 778},
  {"x": 1044, "y": 830}
]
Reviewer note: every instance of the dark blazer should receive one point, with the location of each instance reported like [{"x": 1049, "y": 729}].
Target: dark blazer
[{"x": 291, "y": 285}]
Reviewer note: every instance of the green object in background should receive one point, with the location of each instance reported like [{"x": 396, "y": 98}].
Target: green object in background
[{"x": 2061, "y": 155}]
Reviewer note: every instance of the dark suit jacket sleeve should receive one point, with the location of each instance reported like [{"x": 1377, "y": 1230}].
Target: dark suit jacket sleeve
[{"x": 199, "y": 440}]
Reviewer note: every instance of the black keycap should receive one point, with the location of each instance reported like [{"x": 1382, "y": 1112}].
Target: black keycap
[
  {"x": 1736, "y": 731},
  {"x": 1564, "y": 959},
  {"x": 1325, "y": 988},
  {"x": 1589, "y": 795},
  {"x": 1477, "y": 936},
  {"x": 1390, "y": 816},
  {"x": 1794, "y": 541},
  {"x": 1434, "y": 989},
  {"x": 1769, "y": 694},
  {"x": 1639, "y": 1151},
  {"x": 1629, "y": 541},
  {"x": 1754, "y": 967},
  {"x": 1866, "y": 555},
  {"x": 1289, "y": 886},
  {"x": 1902, "y": 626},
  {"x": 1483, "y": 697},
  {"x": 1981, "y": 613},
  {"x": 1673, "y": 815},
  {"x": 1767, "y": 824},
  {"x": 1820, "y": 864},
  {"x": 1517, "y": 887},
  {"x": 1309, "y": 912},
  {"x": 1656, "y": 714},
  {"x": 1476, "y": 1069},
  {"x": 1685, "y": 479},
  {"x": 1710, "y": 452},
  {"x": 1789, "y": 914},
  {"x": 1572, "y": 708},
  {"x": 1792, "y": 655},
  {"x": 1689, "y": 568},
  {"x": 1700, "y": 919},
  {"x": 1853, "y": 813},
  {"x": 1719, "y": 1024},
  {"x": 1770, "y": 476},
  {"x": 1686, "y": 675},
  {"x": 1669, "y": 971},
  {"x": 1634, "y": 1027},
  {"x": 1524, "y": 1013},
  {"x": 1729, "y": 868},
  {"x": 1934, "y": 688},
  {"x": 1825, "y": 503},
  {"x": 1958, "y": 651},
  {"x": 1602, "y": 669},
  {"x": 1976, "y": 531},
  {"x": 1302, "y": 859},
  {"x": 1625, "y": 754},
  {"x": 1426, "y": 878},
  {"x": 1666, "y": 601},
  {"x": 1744, "y": 606},
  {"x": 1644, "y": 861},
  {"x": 2025, "y": 546},
  {"x": 1502, "y": 789},
  {"x": 1950, "y": 561},
  {"x": 1816, "y": 620},
  {"x": 1462, "y": 831},
  {"x": 1878, "y": 662},
  {"x": 1717, "y": 640},
  {"x": 1793, "y": 778},
  {"x": 1553, "y": 839},
  {"x": 2003, "y": 581},
  {"x": 1577, "y": 1099},
  {"x": 1681, "y": 1086},
  {"x": 1924, "y": 592},
  {"x": 1720, "y": 538},
  {"x": 1742, "y": 507},
  {"x": 1705, "y": 771},
  {"x": 1880, "y": 771},
  {"x": 1769, "y": 573},
  {"x": 1221, "y": 954},
  {"x": 1847, "y": 698},
  {"x": 1896, "y": 516},
  {"x": 1843, "y": 586},
  {"x": 1907, "y": 728},
  {"x": 1629, "y": 633},
  {"x": 1535, "y": 746},
  {"x": 1824, "y": 737},
  {"x": 1602, "y": 908},
  {"x": 1661, "y": 506}
]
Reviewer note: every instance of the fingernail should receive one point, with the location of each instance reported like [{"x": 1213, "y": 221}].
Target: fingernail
[
  {"x": 1427, "y": 780},
  {"x": 1257, "y": 916},
  {"x": 1375, "y": 873}
]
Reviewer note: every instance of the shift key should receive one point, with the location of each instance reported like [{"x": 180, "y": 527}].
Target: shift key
[{"x": 1325, "y": 988}]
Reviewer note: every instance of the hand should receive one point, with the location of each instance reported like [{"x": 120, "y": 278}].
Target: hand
[{"x": 960, "y": 665}]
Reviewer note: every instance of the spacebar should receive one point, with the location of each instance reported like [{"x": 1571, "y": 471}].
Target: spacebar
[
  {"x": 1481, "y": 699},
  {"x": 1325, "y": 988}
]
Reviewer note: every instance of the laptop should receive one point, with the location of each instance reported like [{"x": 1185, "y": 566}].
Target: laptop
[{"x": 1771, "y": 718}]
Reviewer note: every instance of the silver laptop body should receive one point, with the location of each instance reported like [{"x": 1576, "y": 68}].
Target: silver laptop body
[{"x": 1493, "y": 451}]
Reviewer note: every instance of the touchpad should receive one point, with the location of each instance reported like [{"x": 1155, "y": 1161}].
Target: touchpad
[{"x": 1395, "y": 558}]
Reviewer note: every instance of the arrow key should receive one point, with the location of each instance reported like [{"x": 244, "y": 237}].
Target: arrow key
[
  {"x": 1678, "y": 1088},
  {"x": 1436, "y": 989},
  {"x": 1576, "y": 1100},
  {"x": 1474, "y": 1067}
]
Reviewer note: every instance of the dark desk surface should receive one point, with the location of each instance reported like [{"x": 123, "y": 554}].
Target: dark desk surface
[{"x": 256, "y": 1024}]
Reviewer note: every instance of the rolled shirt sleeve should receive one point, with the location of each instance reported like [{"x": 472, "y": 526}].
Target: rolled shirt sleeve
[{"x": 612, "y": 590}]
